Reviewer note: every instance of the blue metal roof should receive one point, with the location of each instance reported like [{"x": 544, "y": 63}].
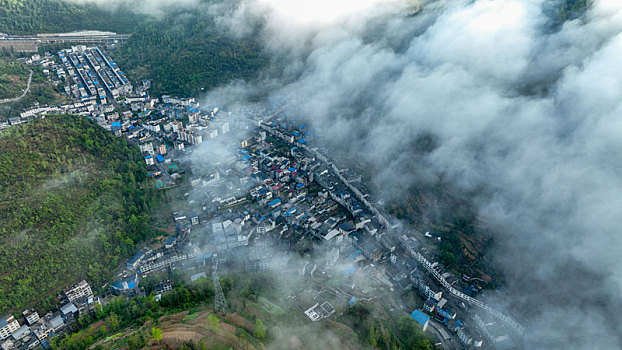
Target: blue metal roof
[
  {"x": 131, "y": 283},
  {"x": 420, "y": 317},
  {"x": 355, "y": 254},
  {"x": 3, "y": 321},
  {"x": 159, "y": 158},
  {"x": 350, "y": 270},
  {"x": 136, "y": 256}
]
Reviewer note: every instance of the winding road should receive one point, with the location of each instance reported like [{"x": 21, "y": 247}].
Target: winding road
[{"x": 15, "y": 99}]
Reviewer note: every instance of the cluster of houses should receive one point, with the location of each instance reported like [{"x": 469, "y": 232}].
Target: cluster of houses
[
  {"x": 94, "y": 75},
  {"x": 273, "y": 183},
  {"x": 97, "y": 88},
  {"x": 31, "y": 331}
]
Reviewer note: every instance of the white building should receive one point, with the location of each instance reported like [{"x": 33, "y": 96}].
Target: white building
[
  {"x": 77, "y": 291},
  {"x": 8, "y": 325},
  {"x": 31, "y": 316}
]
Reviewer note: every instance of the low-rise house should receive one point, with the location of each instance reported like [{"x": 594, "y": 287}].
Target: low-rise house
[
  {"x": 68, "y": 309},
  {"x": 42, "y": 328},
  {"x": 133, "y": 262},
  {"x": 127, "y": 286},
  {"x": 56, "y": 323},
  {"x": 21, "y": 332}
]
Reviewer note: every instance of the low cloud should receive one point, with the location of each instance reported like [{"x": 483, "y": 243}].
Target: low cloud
[
  {"x": 523, "y": 111},
  {"x": 520, "y": 110},
  {"x": 152, "y": 7}
]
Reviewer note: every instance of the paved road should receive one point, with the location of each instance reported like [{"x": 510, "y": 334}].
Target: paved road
[
  {"x": 447, "y": 344},
  {"x": 15, "y": 99}
]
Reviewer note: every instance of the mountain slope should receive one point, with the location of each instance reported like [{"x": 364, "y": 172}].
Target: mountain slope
[
  {"x": 184, "y": 54},
  {"x": 35, "y": 16},
  {"x": 70, "y": 206}
]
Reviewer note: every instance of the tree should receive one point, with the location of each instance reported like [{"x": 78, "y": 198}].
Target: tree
[
  {"x": 136, "y": 341},
  {"x": 113, "y": 322},
  {"x": 156, "y": 333},
  {"x": 213, "y": 323},
  {"x": 260, "y": 329}
]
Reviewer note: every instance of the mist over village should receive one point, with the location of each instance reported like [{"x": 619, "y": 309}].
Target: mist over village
[{"x": 297, "y": 174}]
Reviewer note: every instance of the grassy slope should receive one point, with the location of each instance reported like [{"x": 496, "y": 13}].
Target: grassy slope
[{"x": 70, "y": 207}]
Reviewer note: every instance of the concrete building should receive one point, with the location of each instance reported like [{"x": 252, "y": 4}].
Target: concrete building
[
  {"x": 68, "y": 309},
  {"x": 77, "y": 291},
  {"x": 133, "y": 262},
  {"x": 31, "y": 316},
  {"x": 8, "y": 325}
]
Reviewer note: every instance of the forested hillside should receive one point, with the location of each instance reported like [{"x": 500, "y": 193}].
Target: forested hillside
[
  {"x": 36, "y": 16},
  {"x": 71, "y": 206},
  {"x": 183, "y": 53}
]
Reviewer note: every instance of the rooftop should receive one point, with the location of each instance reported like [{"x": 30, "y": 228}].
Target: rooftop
[{"x": 420, "y": 317}]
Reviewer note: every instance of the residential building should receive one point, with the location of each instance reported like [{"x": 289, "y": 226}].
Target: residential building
[
  {"x": 77, "y": 291},
  {"x": 31, "y": 316},
  {"x": 8, "y": 325}
]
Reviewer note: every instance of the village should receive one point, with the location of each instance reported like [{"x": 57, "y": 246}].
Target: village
[{"x": 271, "y": 200}]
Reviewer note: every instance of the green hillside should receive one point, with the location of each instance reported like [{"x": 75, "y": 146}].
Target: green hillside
[
  {"x": 183, "y": 53},
  {"x": 36, "y": 16},
  {"x": 260, "y": 315},
  {"x": 70, "y": 207},
  {"x": 14, "y": 79}
]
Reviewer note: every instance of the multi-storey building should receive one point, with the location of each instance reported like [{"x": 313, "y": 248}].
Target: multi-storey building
[
  {"x": 77, "y": 291},
  {"x": 8, "y": 325},
  {"x": 31, "y": 316}
]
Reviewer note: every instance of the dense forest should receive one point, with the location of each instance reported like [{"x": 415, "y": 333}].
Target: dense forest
[
  {"x": 37, "y": 16},
  {"x": 183, "y": 54},
  {"x": 71, "y": 206}
]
